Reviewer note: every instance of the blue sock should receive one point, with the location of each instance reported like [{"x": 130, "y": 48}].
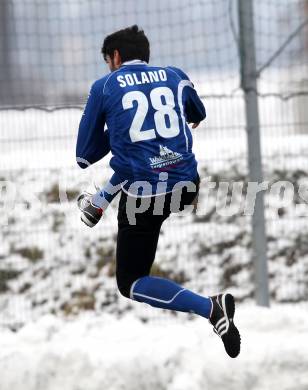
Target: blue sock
[{"x": 165, "y": 294}]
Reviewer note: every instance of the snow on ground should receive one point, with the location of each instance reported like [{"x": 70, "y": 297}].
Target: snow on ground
[
  {"x": 51, "y": 263},
  {"x": 102, "y": 353}
]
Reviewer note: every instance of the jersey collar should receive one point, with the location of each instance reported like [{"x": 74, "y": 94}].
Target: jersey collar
[{"x": 134, "y": 62}]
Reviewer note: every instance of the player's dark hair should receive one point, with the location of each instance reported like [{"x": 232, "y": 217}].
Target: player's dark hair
[{"x": 131, "y": 43}]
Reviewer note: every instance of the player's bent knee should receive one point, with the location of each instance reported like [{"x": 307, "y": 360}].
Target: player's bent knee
[
  {"x": 124, "y": 285},
  {"x": 124, "y": 290}
]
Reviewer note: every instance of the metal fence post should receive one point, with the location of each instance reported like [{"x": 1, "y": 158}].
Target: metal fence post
[
  {"x": 249, "y": 86},
  {"x": 5, "y": 68}
]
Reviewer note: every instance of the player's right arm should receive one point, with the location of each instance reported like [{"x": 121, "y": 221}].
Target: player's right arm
[
  {"x": 193, "y": 107},
  {"x": 92, "y": 141}
]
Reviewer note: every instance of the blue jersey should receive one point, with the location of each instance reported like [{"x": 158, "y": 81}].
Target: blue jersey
[{"x": 146, "y": 110}]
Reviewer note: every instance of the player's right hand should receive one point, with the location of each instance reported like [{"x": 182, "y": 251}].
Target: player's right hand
[{"x": 195, "y": 125}]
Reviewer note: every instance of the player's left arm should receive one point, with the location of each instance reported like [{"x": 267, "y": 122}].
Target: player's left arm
[{"x": 92, "y": 141}]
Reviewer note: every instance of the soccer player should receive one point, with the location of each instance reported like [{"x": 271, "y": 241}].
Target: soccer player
[{"x": 146, "y": 109}]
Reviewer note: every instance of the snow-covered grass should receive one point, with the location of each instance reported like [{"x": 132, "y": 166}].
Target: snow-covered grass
[
  {"x": 51, "y": 263},
  {"x": 100, "y": 352}
]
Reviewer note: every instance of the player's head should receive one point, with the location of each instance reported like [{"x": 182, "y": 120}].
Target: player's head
[{"x": 125, "y": 45}]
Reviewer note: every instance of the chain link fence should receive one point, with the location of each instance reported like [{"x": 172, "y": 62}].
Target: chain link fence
[{"x": 50, "y": 54}]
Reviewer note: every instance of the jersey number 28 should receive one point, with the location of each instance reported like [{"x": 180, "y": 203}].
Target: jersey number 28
[{"x": 163, "y": 110}]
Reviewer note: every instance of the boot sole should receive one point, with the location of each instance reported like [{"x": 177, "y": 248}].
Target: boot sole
[
  {"x": 87, "y": 221},
  {"x": 232, "y": 339}
]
